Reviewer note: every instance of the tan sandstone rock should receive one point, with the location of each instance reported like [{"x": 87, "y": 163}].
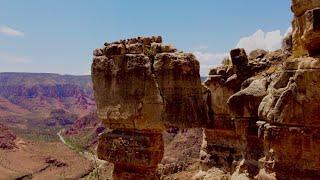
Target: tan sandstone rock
[
  {"x": 306, "y": 27},
  {"x": 142, "y": 87},
  {"x": 291, "y": 126}
]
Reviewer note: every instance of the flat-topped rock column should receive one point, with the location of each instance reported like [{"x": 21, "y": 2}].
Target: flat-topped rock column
[{"x": 142, "y": 87}]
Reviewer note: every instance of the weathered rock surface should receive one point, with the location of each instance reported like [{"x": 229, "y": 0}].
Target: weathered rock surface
[
  {"x": 135, "y": 154},
  {"x": 290, "y": 114},
  {"x": 291, "y": 121},
  {"x": 260, "y": 113},
  {"x": 306, "y": 27},
  {"x": 233, "y": 100},
  {"x": 180, "y": 85},
  {"x": 299, "y": 7},
  {"x": 129, "y": 87},
  {"x": 143, "y": 87}
]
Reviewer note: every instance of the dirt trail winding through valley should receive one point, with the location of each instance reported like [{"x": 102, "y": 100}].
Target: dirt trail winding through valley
[{"x": 98, "y": 163}]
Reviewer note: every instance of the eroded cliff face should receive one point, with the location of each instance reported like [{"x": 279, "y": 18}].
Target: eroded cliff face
[
  {"x": 236, "y": 89},
  {"x": 290, "y": 112},
  {"x": 142, "y": 87},
  {"x": 271, "y": 112},
  {"x": 290, "y": 127},
  {"x": 259, "y": 112}
]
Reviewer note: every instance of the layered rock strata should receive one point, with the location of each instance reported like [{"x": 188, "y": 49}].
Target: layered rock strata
[
  {"x": 141, "y": 88},
  {"x": 290, "y": 127},
  {"x": 290, "y": 114},
  {"x": 234, "y": 97}
]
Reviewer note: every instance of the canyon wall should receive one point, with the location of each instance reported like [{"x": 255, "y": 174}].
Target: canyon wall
[
  {"x": 290, "y": 112},
  {"x": 259, "y": 112}
]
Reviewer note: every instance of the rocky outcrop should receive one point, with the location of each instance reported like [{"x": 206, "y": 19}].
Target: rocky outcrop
[
  {"x": 260, "y": 113},
  {"x": 306, "y": 27},
  {"x": 291, "y": 115},
  {"x": 60, "y": 117},
  {"x": 235, "y": 92},
  {"x": 7, "y": 138},
  {"x": 266, "y": 107},
  {"x": 141, "y": 88},
  {"x": 89, "y": 121}
]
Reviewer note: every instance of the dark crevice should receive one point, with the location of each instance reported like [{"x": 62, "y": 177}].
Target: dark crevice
[{"x": 152, "y": 60}]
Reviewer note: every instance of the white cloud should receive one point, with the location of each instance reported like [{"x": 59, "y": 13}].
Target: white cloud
[
  {"x": 209, "y": 60},
  {"x": 13, "y": 59},
  {"x": 270, "y": 41},
  {"x": 10, "y": 31}
]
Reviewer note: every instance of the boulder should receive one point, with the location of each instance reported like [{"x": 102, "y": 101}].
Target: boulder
[
  {"x": 258, "y": 53},
  {"x": 239, "y": 60}
]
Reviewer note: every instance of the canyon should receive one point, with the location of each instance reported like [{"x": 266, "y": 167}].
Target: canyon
[
  {"x": 259, "y": 112},
  {"x": 148, "y": 114},
  {"x": 36, "y": 106},
  {"x": 33, "y": 108}
]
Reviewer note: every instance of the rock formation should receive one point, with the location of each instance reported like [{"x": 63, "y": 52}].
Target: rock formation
[
  {"x": 306, "y": 27},
  {"x": 290, "y": 127},
  {"x": 260, "y": 113},
  {"x": 7, "y": 138},
  {"x": 235, "y": 91},
  {"x": 141, "y": 88},
  {"x": 269, "y": 126},
  {"x": 290, "y": 112}
]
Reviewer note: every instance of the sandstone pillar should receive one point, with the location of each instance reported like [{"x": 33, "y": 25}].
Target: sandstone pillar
[{"x": 142, "y": 87}]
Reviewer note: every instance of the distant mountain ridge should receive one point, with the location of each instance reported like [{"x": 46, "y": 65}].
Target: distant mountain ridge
[
  {"x": 33, "y": 98},
  {"x": 31, "y": 79}
]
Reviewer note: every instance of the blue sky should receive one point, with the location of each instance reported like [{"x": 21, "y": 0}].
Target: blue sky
[{"x": 58, "y": 36}]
